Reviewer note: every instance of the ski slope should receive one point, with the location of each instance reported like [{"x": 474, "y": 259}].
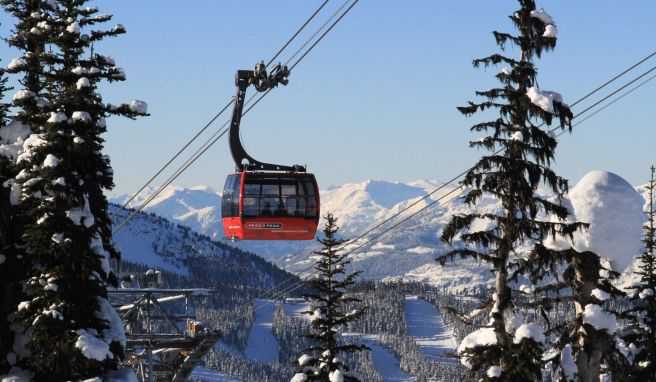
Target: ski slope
[
  {"x": 262, "y": 344},
  {"x": 386, "y": 363},
  {"x": 296, "y": 309},
  {"x": 206, "y": 375},
  {"x": 426, "y": 326}
]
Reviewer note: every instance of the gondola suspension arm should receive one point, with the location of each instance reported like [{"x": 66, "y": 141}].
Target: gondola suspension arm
[{"x": 262, "y": 81}]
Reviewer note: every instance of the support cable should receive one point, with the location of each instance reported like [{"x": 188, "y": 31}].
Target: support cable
[
  {"x": 296, "y": 285},
  {"x": 211, "y": 121},
  {"x": 212, "y": 140}
]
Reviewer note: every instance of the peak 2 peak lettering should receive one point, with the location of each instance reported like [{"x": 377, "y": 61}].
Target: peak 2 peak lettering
[{"x": 264, "y": 225}]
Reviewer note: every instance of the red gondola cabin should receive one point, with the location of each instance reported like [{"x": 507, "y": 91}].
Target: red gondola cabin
[
  {"x": 270, "y": 206},
  {"x": 265, "y": 201}
]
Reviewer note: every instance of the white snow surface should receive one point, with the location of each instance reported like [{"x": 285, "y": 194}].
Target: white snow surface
[
  {"x": 81, "y": 215},
  {"x": 297, "y": 309},
  {"x": 426, "y": 326},
  {"x": 600, "y": 319},
  {"x": 614, "y": 210},
  {"x": 494, "y": 371},
  {"x": 31, "y": 142},
  {"x": 550, "y": 31},
  {"x": 262, "y": 344},
  {"x": 206, "y": 375},
  {"x": 544, "y": 99},
  {"x": 479, "y": 337},
  {"x": 304, "y": 359},
  {"x": 17, "y": 63},
  {"x": 22, "y": 94},
  {"x": 79, "y": 70},
  {"x": 299, "y": 377},
  {"x": 385, "y": 361},
  {"x": 568, "y": 364},
  {"x": 115, "y": 331},
  {"x": 50, "y": 161},
  {"x": 73, "y": 28},
  {"x": 336, "y": 376},
  {"x": 543, "y": 16},
  {"x": 92, "y": 347},
  {"x": 12, "y": 137},
  {"x": 138, "y": 106},
  {"x": 530, "y": 330},
  {"x": 600, "y": 294},
  {"x": 517, "y": 136},
  {"x": 82, "y": 83},
  {"x": 57, "y": 117},
  {"x": 81, "y": 116},
  {"x": 14, "y": 131}
]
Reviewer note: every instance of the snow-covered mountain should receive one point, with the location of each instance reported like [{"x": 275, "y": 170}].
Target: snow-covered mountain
[
  {"x": 155, "y": 242},
  {"x": 408, "y": 251},
  {"x": 199, "y": 208}
]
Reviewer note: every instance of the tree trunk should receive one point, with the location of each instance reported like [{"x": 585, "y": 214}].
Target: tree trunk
[
  {"x": 7, "y": 289},
  {"x": 502, "y": 291},
  {"x": 592, "y": 342}
]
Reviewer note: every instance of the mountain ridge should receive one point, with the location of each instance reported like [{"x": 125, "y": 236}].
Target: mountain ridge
[{"x": 406, "y": 252}]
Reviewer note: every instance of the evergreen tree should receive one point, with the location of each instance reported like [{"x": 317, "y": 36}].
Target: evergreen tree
[
  {"x": 31, "y": 102},
  {"x": 66, "y": 318},
  {"x": 641, "y": 332},
  {"x": 508, "y": 349},
  {"x": 9, "y": 284},
  {"x": 588, "y": 344},
  {"x": 329, "y": 300}
]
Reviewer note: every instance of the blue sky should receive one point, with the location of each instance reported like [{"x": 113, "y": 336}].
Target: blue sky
[{"x": 377, "y": 98}]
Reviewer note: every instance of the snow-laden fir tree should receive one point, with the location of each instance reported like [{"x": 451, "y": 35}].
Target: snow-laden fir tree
[
  {"x": 640, "y": 335},
  {"x": 31, "y": 105},
  {"x": 590, "y": 344},
  {"x": 322, "y": 361},
  {"x": 508, "y": 349},
  {"x": 66, "y": 318},
  {"x": 9, "y": 283}
]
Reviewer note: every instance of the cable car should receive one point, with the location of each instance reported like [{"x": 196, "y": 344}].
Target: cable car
[{"x": 263, "y": 201}]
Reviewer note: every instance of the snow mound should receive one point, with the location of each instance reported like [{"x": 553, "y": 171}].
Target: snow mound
[
  {"x": 299, "y": 377},
  {"x": 92, "y": 347},
  {"x": 57, "y": 117},
  {"x": 544, "y": 99},
  {"x": 336, "y": 376},
  {"x": 596, "y": 316},
  {"x": 17, "y": 63},
  {"x": 532, "y": 331},
  {"x": 480, "y": 337},
  {"x": 613, "y": 208},
  {"x": 550, "y": 31},
  {"x": 81, "y": 116},
  {"x": 51, "y": 161},
  {"x": 138, "y": 106},
  {"x": 543, "y": 16},
  {"x": 494, "y": 371}
]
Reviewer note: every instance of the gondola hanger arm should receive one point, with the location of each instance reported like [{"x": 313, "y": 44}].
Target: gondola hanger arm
[{"x": 262, "y": 82}]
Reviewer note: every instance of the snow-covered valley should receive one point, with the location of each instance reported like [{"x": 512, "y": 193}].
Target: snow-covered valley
[{"x": 425, "y": 325}]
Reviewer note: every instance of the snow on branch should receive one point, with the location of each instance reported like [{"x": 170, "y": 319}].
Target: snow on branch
[{"x": 544, "y": 99}]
